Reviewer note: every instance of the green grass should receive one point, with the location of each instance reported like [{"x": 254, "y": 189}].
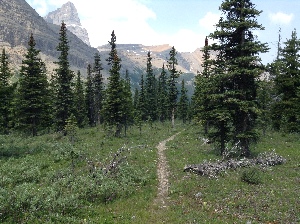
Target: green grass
[
  {"x": 47, "y": 180},
  {"x": 39, "y": 184},
  {"x": 228, "y": 199}
]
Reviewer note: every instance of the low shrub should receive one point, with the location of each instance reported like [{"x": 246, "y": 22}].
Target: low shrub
[{"x": 252, "y": 175}]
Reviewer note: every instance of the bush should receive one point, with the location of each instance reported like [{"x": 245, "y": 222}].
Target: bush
[{"x": 252, "y": 176}]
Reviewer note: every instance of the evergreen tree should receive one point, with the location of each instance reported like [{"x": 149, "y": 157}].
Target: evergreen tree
[
  {"x": 32, "y": 101},
  {"x": 137, "y": 116},
  {"x": 89, "y": 97},
  {"x": 64, "y": 95},
  {"x": 128, "y": 103},
  {"x": 241, "y": 57},
  {"x": 142, "y": 100},
  {"x": 218, "y": 115},
  {"x": 150, "y": 91},
  {"x": 113, "y": 108},
  {"x": 71, "y": 131},
  {"x": 6, "y": 94},
  {"x": 135, "y": 99},
  {"x": 265, "y": 103},
  {"x": 98, "y": 88},
  {"x": 287, "y": 84},
  {"x": 183, "y": 104},
  {"x": 52, "y": 101},
  {"x": 113, "y": 47},
  {"x": 202, "y": 90},
  {"x": 267, "y": 91},
  {"x": 162, "y": 98},
  {"x": 79, "y": 98},
  {"x": 173, "y": 92}
]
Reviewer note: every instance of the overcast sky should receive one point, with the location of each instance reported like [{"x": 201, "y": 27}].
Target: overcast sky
[{"x": 180, "y": 23}]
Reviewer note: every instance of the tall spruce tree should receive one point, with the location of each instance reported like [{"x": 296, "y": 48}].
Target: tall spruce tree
[
  {"x": 150, "y": 91},
  {"x": 128, "y": 102},
  {"x": 287, "y": 85},
  {"x": 79, "y": 98},
  {"x": 142, "y": 101},
  {"x": 113, "y": 49},
  {"x": 242, "y": 68},
  {"x": 89, "y": 97},
  {"x": 202, "y": 90},
  {"x": 173, "y": 92},
  {"x": 218, "y": 115},
  {"x": 162, "y": 96},
  {"x": 64, "y": 105},
  {"x": 32, "y": 99},
  {"x": 98, "y": 88},
  {"x": 113, "y": 108},
  {"x": 273, "y": 70},
  {"x": 265, "y": 101},
  {"x": 135, "y": 99},
  {"x": 6, "y": 94},
  {"x": 137, "y": 116},
  {"x": 183, "y": 104}
]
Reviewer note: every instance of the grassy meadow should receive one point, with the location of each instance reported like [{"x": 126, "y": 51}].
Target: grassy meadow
[{"x": 101, "y": 179}]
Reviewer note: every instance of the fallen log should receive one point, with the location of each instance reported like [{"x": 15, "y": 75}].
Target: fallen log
[{"x": 213, "y": 168}]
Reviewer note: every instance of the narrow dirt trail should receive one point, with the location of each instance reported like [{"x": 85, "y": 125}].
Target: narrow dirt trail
[{"x": 163, "y": 173}]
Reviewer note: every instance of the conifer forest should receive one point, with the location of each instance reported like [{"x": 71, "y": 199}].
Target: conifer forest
[{"x": 95, "y": 149}]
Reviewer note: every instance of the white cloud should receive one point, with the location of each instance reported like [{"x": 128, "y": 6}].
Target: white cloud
[
  {"x": 281, "y": 18},
  {"x": 128, "y": 18},
  {"x": 186, "y": 40},
  {"x": 40, "y": 6},
  {"x": 209, "y": 21}
]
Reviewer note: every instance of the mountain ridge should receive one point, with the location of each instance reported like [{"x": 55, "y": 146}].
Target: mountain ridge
[{"x": 18, "y": 20}]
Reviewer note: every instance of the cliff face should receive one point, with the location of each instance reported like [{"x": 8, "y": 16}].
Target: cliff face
[
  {"x": 68, "y": 14},
  {"x": 18, "y": 20}
]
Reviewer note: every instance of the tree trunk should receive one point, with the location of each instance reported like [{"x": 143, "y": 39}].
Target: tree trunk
[
  {"x": 173, "y": 117},
  {"x": 222, "y": 140},
  {"x": 118, "y": 130},
  {"x": 98, "y": 120},
  {"x": 206, "y": 127}
]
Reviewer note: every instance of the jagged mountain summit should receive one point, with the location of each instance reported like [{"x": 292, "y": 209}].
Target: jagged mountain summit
[
  {"x": 68, "y": 14},
  {"x": 18, "y": 20}
]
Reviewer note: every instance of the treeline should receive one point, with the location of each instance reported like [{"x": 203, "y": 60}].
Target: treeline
[
  {"x": 232, "y": 100},
  {"x": 36, "y": 105}
]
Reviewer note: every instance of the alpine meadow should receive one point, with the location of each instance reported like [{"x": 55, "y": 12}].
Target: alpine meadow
[{"x": 90, "y": 136}]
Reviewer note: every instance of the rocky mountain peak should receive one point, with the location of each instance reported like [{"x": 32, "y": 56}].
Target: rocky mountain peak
[{"x": 68, "y": 13}]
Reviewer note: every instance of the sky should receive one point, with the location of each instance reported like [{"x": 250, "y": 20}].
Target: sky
[{"x": 179, "y": 23}]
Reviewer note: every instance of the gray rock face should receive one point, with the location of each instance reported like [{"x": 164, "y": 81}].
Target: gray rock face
[
  {"x": 18, "y": 20},
  {"x": 68, "y": 14}
]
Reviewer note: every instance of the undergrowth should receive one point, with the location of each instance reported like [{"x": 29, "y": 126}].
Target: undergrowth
[
  {"x": 50, "y": 179},
  {"x": 102, "y": 179}
]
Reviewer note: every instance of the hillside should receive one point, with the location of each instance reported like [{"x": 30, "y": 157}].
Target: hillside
[
  {"x": 134, "y": 59},
  {"x": 18, "y": 20}
]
